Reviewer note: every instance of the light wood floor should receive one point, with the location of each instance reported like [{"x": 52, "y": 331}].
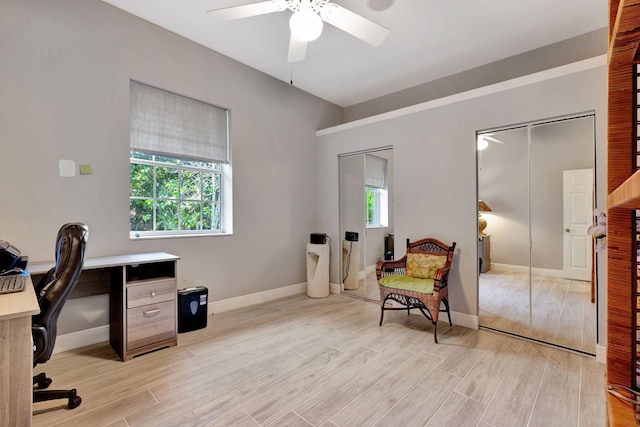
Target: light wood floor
[
  {"x": 368, "y": 290},
  {"x": 301, "y": 361},
  {"x": 562, "y": 312}
]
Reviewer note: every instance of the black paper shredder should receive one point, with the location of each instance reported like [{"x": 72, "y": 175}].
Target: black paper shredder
[{"x": 192, "y": 308}]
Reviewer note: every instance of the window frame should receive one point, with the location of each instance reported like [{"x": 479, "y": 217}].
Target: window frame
[
  {"x": 381, "y": 207},
  {"x": 220, "y": 170}
]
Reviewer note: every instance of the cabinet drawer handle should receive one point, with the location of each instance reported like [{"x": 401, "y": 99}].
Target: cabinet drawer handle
[{"x": 151, "y": 312}]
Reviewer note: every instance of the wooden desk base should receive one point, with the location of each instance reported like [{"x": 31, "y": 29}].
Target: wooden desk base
[
  {"x": 15, "y": 375},
  {"x": 16, "y": 356},
  {"x": 142, "y": 298}
]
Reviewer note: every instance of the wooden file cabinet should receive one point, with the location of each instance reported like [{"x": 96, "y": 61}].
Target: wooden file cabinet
[
  {"x": 145, "y": 309},
  {"x": 151, "y": 310}
]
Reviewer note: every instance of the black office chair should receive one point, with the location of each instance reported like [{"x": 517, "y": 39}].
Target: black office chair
[{"x": 52, "y": 292}]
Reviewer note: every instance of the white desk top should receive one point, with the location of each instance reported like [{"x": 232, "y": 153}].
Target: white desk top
[
  {"x": 19, "y": 304},
  {"x": 107, "y": 261}
]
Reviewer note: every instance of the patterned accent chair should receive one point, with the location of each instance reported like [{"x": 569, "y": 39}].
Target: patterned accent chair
[{"x": 418, "y": 280}]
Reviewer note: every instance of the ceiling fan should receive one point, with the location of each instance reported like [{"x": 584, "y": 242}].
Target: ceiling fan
[{"x": 307, "y": 21}]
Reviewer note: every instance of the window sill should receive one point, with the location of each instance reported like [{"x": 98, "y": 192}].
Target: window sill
[{"x": 176, "y": 236}]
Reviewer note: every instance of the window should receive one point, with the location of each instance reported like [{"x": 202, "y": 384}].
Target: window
[
  {"x": 376, "y": 202},
  {"x": 373, "y": 206},
  {"x": 169, "y": 194},
  {"x": 180, "y": 174}
]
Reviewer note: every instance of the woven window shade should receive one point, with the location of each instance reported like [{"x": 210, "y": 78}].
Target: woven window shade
[
  {"x": 375, "y": 171},
  {"x": 174, "y": 125}
]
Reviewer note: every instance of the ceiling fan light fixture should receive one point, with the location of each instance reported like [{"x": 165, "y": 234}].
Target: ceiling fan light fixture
[
  {"x": 379, "y": 5},
  {"x": 482, "y": 143},
  {"x": 305, "y": 25}
]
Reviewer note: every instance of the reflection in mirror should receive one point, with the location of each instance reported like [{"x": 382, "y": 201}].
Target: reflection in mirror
[
  {"x": 366, "y": 218},
  {"x": 535, "y": 257}
]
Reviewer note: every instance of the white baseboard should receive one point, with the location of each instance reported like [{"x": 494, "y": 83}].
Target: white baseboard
[
  {"x": 362, "y": 274},
  {"x": 464, "y": 319},
  {"x": 525, "y": 269},
  {"x": 256, "y": 298},
  {"x": 601, "y": 354},
  {"x": 335, "y": 288},
  {"x": 81, "y": 338}
]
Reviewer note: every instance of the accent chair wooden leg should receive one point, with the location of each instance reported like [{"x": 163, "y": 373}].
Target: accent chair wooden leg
[
  {"x": 446, "y": 305},
  {"x": 435, "y": 332}
]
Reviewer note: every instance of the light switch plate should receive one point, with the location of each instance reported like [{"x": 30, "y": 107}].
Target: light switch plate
[{"x": 67, "y": 168}]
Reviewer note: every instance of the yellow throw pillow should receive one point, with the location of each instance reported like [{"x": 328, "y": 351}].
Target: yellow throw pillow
[{"x": 424, "y": 266}]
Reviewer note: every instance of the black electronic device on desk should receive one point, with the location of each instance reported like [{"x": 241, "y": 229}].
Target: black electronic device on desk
[
  {"x": 12, "y": 269},
  {"x": 10, "y": 257}
]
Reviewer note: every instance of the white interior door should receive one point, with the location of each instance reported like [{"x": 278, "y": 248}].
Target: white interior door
[{"x": 577, "y": 216}]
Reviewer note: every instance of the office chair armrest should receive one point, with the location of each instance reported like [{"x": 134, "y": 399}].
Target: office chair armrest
[{"x": 40, "y": 341}]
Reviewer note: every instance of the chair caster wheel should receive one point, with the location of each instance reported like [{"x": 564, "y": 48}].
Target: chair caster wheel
[
  {"x": 74, "y": 402},
  {"x": 74, "y": 399},
  {"x": 44, "y": 383}
]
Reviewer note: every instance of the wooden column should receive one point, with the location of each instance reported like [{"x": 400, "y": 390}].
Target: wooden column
[
  {"x": 620, "y": 233},
  {"x": 623, "y": 198}
]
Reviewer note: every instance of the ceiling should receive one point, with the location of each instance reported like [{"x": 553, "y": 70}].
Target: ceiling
[{"x": 429, "y": 39}]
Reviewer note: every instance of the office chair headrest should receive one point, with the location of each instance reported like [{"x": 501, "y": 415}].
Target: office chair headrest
[{"x": 70, "y": 245}]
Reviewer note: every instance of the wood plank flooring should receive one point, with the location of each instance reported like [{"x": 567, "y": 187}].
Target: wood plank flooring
[
  {"x": 325, "y": 362},
  {"x": 367, "y": 288},
  {"x": 562, "y": 312}
]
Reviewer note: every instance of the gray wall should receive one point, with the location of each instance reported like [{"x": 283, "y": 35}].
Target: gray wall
[
  {"x": 435, "y": 165},
  {"x": 564, "y": 52},
  {"x": 64, "y": 82}
]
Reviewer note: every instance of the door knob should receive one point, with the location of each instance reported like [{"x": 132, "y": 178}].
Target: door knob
[{"x": 567, "y": 230}]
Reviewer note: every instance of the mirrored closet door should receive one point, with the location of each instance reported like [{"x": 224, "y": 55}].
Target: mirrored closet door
[
  {"x": 366, "y": 218},
  {"x": 535, "y": 201}
]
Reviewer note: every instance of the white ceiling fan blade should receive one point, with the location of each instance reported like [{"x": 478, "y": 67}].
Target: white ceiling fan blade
[
  {"x": 354, "y": 24},
  {"x": 492, "y": 139},
  {"x": 297, "y": 49},
  {"x": 246, "y": 10}
]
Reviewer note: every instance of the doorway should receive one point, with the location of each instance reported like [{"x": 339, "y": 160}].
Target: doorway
[
  {"x": 577, "y": 212},
  {"x": 535, "y": 182}
]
